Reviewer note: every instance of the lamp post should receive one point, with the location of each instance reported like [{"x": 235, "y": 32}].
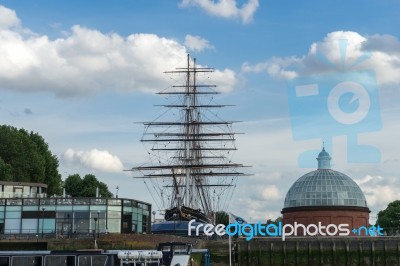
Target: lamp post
[
  {"x": 154, "y": 216},
  {"x": 95, "y": 227},
  {"x": 69, "y": 225},
  {"x": 43, "y": 208},
  {"x": 95, "y": 234},
  {"x": 98, "y": 224}
]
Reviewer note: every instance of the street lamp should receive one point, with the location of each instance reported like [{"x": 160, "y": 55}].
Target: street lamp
[
  {"x": 43, "y": 208},
  {"x": 98, "y": 224},
  {"x": 95, "y": 227},
  {"x": 154, "y": 216},
  {"x": 69, "y": 225},
  {"x": 95, "y": 234}
]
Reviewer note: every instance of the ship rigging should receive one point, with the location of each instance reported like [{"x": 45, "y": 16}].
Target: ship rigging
[{"x": 190, "y": 173}]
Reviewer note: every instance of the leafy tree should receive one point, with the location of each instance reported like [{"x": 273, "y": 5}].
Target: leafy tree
[
  {"x": 73, "y": 185},
  {"x": 52, "y": 177},
  {"x": 103, "y": 190},
  {"x": 389, "y": 218},
  {"x": 6, "y": 171},
  {"x": 276, "y": 221},
  {"x": 86, "y": 186},
  {"x": 89, "y": 185},
  {"x": 25, "y": 157}
]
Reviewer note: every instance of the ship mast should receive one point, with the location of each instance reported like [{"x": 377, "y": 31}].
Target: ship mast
[{"x": 192, "y": 153}]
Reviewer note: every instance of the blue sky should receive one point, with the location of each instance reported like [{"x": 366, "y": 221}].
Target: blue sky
[{"x": 82, "y": 72}]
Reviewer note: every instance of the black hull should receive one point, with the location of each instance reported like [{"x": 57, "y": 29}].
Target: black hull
[{"x": 185, "y": 214}]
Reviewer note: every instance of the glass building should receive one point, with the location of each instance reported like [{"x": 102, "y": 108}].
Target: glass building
[
  {"x": 325, "y": 196},
  {"x": 324, "y": 188},
  {"x": 27, "y": 210}
]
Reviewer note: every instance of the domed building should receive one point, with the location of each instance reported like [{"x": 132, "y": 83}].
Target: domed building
[{"x": 325, "y": 196}]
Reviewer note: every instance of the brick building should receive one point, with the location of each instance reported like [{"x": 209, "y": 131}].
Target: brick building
[{"x": 325, "y": 196}]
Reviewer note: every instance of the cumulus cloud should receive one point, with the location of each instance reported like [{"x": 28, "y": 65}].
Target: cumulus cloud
[
  {"x": 271, "y": 192},
  {"x": 196, "y": 43},
  {"x": 384, "y": 43},
  {"x": 226, "y": 8},
  {"x": 378, "y": 190},
  {"x": 225, "y": 79},
  {"x": 95, "y": 159},
  {"x": 276, "y": 67},
  {"x": 87, "y": 60},
  {"x": 380, "y": 53},
  {"x": 8, "y": 18}
]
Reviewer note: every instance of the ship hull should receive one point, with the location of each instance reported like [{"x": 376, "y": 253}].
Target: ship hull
[{"x": 185, "y": 214}]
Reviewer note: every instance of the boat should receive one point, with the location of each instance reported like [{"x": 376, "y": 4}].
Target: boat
[
  {"x": 167, "y": 253},
  {"x": 190, "y": 172}
]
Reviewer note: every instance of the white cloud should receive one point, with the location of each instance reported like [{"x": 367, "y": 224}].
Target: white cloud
[
  {"x": 8, "y": 18},
  {"x": 384, "y": 43},
  {"x": 94, "y": 159},
  {"x": 225, "y": 79},
  {"x": 275, "y": 67},
  {"x": 381, "y": 53},
  {"x": 226, "y": 8},
  {"x": 196, "y": 43},
  {"x": 87, "y": 60},
  {"x": 379, "y": 191},
  {"x": 380, "y": 196},
  {"x": 271, "y": 192},
  {"x": 367, "y": 179}
]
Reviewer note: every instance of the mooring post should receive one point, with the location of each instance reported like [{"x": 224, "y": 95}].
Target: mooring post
[
  {"x": 271, "y": 252},
  {"x": 334, "y": 252},
  {"x": 373, "y": 252}
]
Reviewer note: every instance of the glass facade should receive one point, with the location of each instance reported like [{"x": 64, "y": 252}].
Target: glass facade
[
  {"x": 73, "y": 216},
  {"x": 325, "y": 187}
]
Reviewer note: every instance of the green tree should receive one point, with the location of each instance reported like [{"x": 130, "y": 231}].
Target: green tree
[
  {"x": 103, "y": 190},
  {"x": 389, "y": 218},
  {"x": 6, "y": 171},
  {"x": 73, "y": 185},
  {"x": 89, "y": 185},
  {"x": 25, "y": 157},
  {"x": 276, "y": 221},
  {"x": 76, "y": 186},
  {"x": 52, "y": 178}
]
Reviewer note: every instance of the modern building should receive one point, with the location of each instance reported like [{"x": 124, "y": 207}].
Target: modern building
[
  {"x": 26, "y": 209},
  {"x": 325, "y": 196}
]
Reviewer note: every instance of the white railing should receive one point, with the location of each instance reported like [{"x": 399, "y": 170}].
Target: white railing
[{"x": 22, "y": 195}]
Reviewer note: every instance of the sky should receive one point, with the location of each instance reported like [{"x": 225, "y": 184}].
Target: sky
[{"x": 301, "y": 74}]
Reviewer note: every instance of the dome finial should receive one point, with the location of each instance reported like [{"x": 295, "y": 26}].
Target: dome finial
[{"x": 324, "y": 159}]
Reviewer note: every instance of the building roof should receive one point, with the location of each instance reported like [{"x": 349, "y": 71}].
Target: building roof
[
  {"x": 17, "y": 183},
  {"x": 324, "y": 187}
]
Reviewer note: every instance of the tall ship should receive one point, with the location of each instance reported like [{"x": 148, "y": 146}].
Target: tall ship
[{"x": 190, "y": 172}]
